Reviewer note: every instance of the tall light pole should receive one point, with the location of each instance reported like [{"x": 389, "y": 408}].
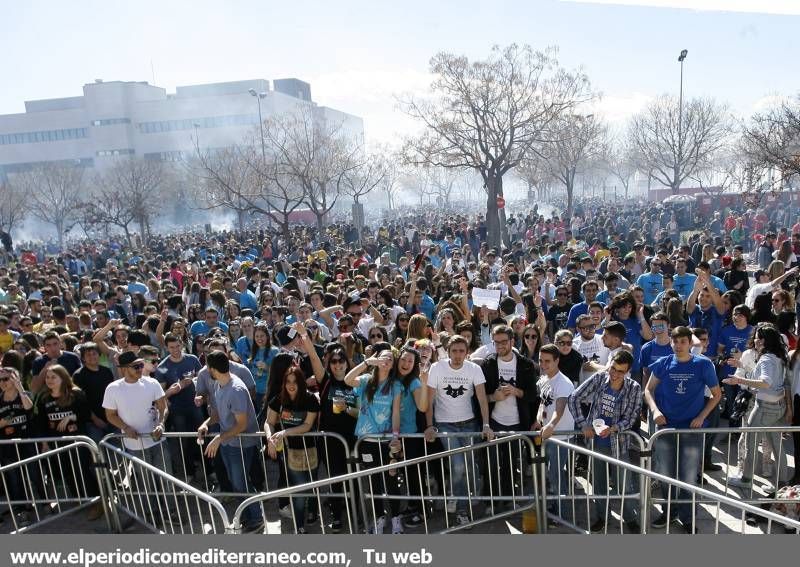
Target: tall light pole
[
  {"x": 259, "y": 96},
  {"x": 681, "y": 57}
]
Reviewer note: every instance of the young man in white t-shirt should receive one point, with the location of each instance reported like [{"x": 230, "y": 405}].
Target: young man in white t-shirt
[
  {"x": 590, "y": 346},
  {"x": 554, "y": 416},
  {"x": 137, "y": 406},
  {"x": 451, "y": 385}
]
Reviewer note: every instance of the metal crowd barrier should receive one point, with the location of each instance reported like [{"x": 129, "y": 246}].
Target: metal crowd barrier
[
  {"x": 696, "y": 496},
  {"x": 577, "y": 483},
  {"x": 732, "y": 444},
  {"x": 371, "y": 487},
  {"x": 44, "y": 479},
  {"x": 210, "y": 478},
  {"x": 158, "y": 500}
]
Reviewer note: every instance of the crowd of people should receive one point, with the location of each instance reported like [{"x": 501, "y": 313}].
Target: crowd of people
[{"x": 614, "y": 313}]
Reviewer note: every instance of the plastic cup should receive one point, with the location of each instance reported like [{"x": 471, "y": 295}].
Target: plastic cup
[
  {"x": 339, "y": 404},
  {"x": 599, "y": 425}
]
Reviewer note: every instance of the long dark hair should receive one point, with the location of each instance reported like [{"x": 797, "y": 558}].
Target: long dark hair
[
  {"x": 372, "y": 385},
  {"x": 408, "y": 378},
  {"x": 773, "y": 342},
  {"x": 281, "y": 364},
  {"x": 254, "y": 348},
  {"x": 300, "y": 381}
]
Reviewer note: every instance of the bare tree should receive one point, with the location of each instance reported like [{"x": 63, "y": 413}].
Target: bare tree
[
  {"x": 227, "y": 180},
  {"x": 772, "y": 138},
  {"x": 53, "y": 191},
  {"x": 672, "y": 145},
  {"x": 535, "y": 172},
  {"x": 580, "y": 144},
  {"x": 367, "y": 174},
  {"x": 488, "y": 115},
  {"x": 620, "y": 161},
  {"x": 12, "y": 206},
  {"x": 313, "y": 156},
  {"x": 132, "y": 190}
]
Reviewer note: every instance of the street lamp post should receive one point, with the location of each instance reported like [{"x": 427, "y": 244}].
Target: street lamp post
[
  {"x": 259, "y": 96},
  {"x": 681, "y": 57}
]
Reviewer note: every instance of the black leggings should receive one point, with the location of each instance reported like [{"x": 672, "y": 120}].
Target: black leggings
[{"x": 375, "y": 454}]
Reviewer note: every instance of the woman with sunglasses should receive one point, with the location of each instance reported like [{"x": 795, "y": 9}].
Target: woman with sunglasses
[
  {"x": 531, "y": 342},
  {"x": 338, "y": 414},
  {"x": 290, "y": 414},
  {"x": 16, "y": 416},
  {"x": 258, "y": 361},
  {"x": 767, "y": 382},
  {"x": 625, "y": 309},
  {"x": 379, "y": 396},
  {"x": 64, "y": 411},
  {"x": 400, "y": 329}
]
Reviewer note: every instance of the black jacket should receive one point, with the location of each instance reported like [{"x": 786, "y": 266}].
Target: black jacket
[{"x": 527, "y": 376}]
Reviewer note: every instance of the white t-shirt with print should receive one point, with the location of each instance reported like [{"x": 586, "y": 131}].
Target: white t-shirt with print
[
  {"x": 592, "y": 350},
  {"x": 506, "y": 412},
  {"x": 550, "y": 390},
  {"x": 454, "y": 390}
]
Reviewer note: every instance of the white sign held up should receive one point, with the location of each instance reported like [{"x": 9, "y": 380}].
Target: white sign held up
[{"x": 486, "y": 297}]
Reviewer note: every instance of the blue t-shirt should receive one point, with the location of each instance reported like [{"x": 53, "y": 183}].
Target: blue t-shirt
[
  {"x": 169, "y": 372},
  {"x": 652, "y": 284},
  {"x": 408, "y": 408},
  {"x": 201, "y": 328},
  {"x": 265, "y": 355},
  {"x": 679, "y": 394},
  {"x": 633, "y": 336},
  {"x": 576, "y": 311},
  {"x": 683, "y": 284},
  {"x": 652, "y": 351},
  {"x": 730, "y": 337},
  {"x": 375, "y": 417},
  {"x": 711, "y": 321}
]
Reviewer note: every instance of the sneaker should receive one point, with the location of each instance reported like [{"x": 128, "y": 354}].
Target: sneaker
[
  {"x": 397, "y": 525},
  {"x": 379, "y": 526},
  {"x": 335, "y": 527},
  {"x": 598, "y": 526},
  {"x": 660, "y": 522},
  {"x": 286, "y": 512},
  {"x": 414, "y": 520},
  {"x": 711, "y": 467},
  {"x": 451, "y": 506},
  {"x": 301, "y": 531},
  {"x": 684, "y": 528},
  {"x": 740, "y": 481},
  {"x": 462, "y": 519}
]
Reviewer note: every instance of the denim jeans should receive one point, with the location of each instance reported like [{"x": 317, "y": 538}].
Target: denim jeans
[
  {"x": 237, "y": 461},
  {"x": 185, "y": 449},
  {"x": 458, "y": 463},
  {"x": 679, "y": 456},
  {"x": 766, "y": 414},
  {"x": 604, "y": 474},
  {"x": 557, "y": 478},
  {"x": 296, "y": 478},
  {"x": 96, "y": 434}
]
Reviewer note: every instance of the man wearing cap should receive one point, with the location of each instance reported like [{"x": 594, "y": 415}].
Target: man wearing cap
[{"x": 137, "y": 406}]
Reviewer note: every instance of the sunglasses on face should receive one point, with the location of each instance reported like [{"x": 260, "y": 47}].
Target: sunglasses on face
[
  {"x": 564, "y": 343},
  {"x": 531, "y": 337},
  {"x": 137, "y": 366},
  {"x": 376, "y": 336},
  {"x": 338, "y": 360}
]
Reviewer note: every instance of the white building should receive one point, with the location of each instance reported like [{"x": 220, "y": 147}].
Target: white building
[{"x": 135, "y": 118}]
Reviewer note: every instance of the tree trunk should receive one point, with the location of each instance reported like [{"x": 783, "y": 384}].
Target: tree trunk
[
  {"x": 492, "y": 219},
  {"x": 60, "y": 231},
  {"x": 240, "y": 219},
  {"x": 320, "y": 223}
]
